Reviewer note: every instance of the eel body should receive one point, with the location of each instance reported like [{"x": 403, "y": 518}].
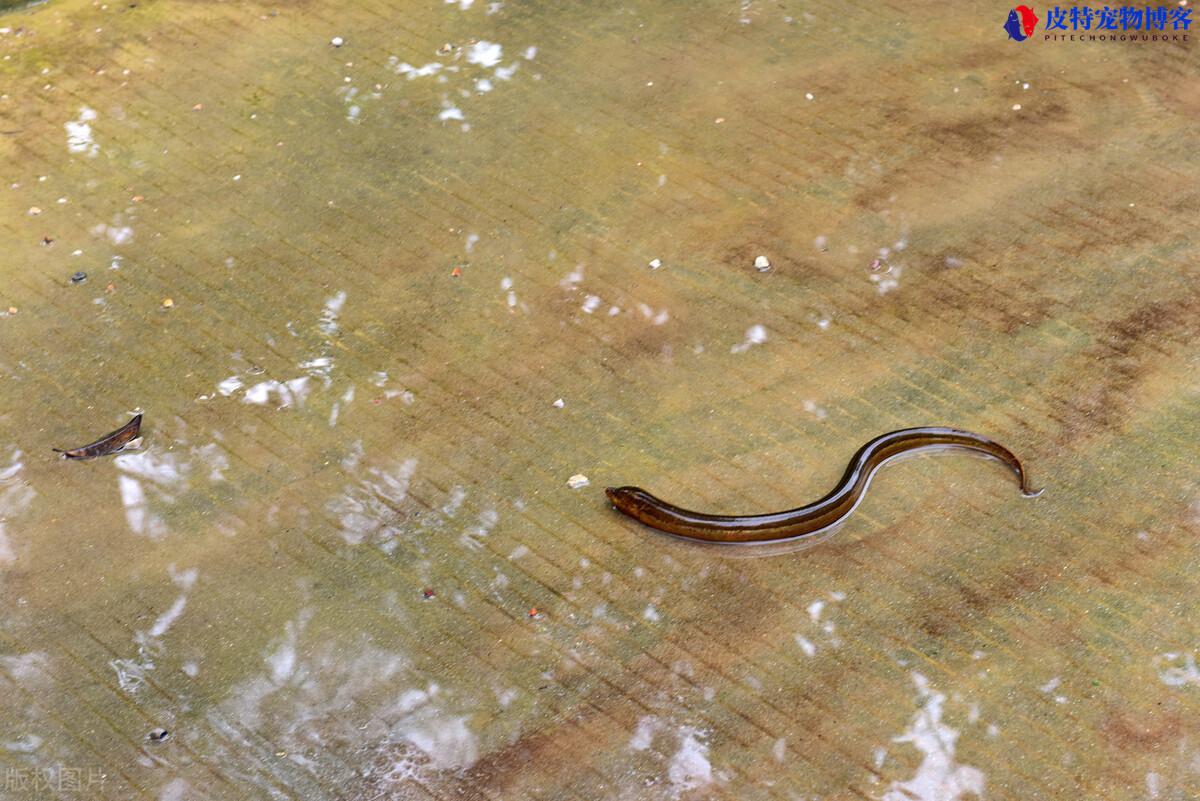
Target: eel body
[
  {"x": 820, "y": 515},
  {"x": 109, "y": 443}
]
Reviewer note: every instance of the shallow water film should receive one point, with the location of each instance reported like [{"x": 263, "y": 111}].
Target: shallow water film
[{"x": 400, "y": 288}]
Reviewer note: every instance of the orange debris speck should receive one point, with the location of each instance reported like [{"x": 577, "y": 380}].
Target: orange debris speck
[
  {"x": 198, "y": 107},
  {"x": 533, "y": 611},
  {"x": 456, "y": 272},
  {"x": 138, "y": 198}
]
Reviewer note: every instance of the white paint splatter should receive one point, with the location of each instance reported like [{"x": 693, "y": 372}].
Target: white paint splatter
[
  {"x": 15, "y": 497},
  {"x": 366, "y": 510},
  {"x": 411, "y": 72},
  {"x": 815, "y": 609},
  {"x": 690, "y": 768},
  {"x": 643, "y": 735},
  {"x": 755, "y": 335},
  {"x": 887, "y": 281},
  {"x": 450, "y": 112},
  {"x": 79, "y": 134},
  {"x": 484, "y": 53},
  {"x": 1176, "y": 676},
  {"x": 328, "y": 322},
  {"x": 939, "y": 777}
]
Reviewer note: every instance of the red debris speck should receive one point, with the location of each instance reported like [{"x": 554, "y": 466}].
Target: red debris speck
[{"x": 428, "y": 593}]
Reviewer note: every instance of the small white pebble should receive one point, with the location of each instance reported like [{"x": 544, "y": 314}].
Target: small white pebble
[
  {"x": 558, "y": 404},
  {"x": 808, "y": 95},
  {"x": 237, "y": 177},
  {"x": 1016, "y": 106},
  {"x": 337, "y": 41},
  {"x": 578, "y": 480},
  {"x": 1024, "y": 86},
  {"x": 655, "y": 264},
  {"x": 762, "y": 264}
]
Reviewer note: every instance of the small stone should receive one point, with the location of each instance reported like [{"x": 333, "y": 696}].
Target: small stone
[
  {"x": 159, "y": 735},
  {"x": 1016, "y": 106},
  {"x": 655, "y": 264},
  {"x": 558, "y": 404},
  {"x": 337, "y": 41},
  {"x": 762, "y": 264},
  {"x": 168, "y": 303},
  {"x": 79, "y": 277},
  {"x": 577, "y": 481},
  {"x": 34, "y": 211}
]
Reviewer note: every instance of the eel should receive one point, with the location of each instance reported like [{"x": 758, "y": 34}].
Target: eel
[
  {"x": 108, "y": 444},
  {"x": 820, "y": 515}
]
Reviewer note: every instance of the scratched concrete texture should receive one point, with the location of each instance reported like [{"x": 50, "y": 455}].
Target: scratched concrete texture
[{"x": 380, "y": 297}]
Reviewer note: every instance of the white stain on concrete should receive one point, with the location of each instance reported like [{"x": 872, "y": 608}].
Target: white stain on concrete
[
  {"x": 79, "y": 134},
  {"x": 939, "y": 777}
]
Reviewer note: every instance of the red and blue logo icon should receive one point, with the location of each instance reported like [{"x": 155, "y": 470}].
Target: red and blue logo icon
[{"x": 1020, "y": 24}]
